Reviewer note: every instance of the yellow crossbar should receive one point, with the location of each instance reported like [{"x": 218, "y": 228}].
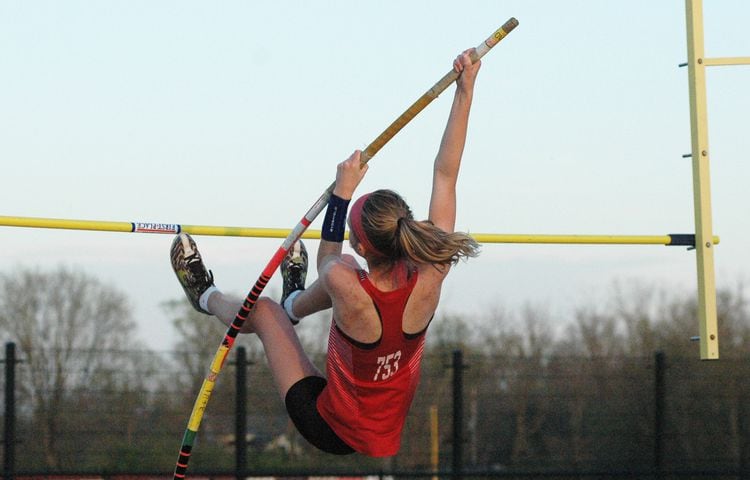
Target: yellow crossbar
[
  {"x": 581, "y": 239},
  {"x": 172, "y": 228}
]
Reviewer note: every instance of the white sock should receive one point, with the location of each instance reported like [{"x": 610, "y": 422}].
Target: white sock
[
  {"x": 288, "y": 306},
  {"x": 203, "y": 300}
]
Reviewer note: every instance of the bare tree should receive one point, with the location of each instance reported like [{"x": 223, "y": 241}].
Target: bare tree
[
  {"x": 198, "y": 337},
  {"x": 69, "y": 328}
]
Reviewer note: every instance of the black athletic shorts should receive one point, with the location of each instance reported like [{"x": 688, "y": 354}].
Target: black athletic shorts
[{"x": 301, "y": 405}]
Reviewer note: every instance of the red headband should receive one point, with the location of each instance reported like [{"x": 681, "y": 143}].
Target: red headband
[{"x": 355, "y": 219}]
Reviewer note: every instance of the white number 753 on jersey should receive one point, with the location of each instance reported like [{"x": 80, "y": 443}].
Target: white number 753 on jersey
[{"x": 387, "y": 366}]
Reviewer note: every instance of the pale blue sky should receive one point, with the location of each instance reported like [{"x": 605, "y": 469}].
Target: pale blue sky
[{"x": 236, "y": 113}]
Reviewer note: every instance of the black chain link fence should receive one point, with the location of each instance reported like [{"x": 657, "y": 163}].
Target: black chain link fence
[{"x": 474, "y": 416}]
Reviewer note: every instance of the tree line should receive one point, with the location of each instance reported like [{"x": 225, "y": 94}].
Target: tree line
[{"x": 92, "y": 398}]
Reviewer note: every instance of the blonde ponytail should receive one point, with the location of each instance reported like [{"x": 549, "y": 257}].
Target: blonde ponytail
[{"x": 391, "y": 229}]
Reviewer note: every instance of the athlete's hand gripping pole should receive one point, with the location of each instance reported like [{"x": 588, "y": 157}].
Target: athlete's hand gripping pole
[{"x": 252, "y": 297}]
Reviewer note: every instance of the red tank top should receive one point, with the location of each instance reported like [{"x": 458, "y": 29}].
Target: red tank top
[{"x": 371, "y": 386}]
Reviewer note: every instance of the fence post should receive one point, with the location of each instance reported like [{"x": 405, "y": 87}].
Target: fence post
[
  {"x": 659, "y": 392},
  {"x": 9, "y": 440},
  {"x": 458, "y": 414},
  {"x": 744, "y": 431},
  {"x": 240, "y": 431}
]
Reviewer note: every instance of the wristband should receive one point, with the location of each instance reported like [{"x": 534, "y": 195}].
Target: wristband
[{"x": 334, "y": 222}]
